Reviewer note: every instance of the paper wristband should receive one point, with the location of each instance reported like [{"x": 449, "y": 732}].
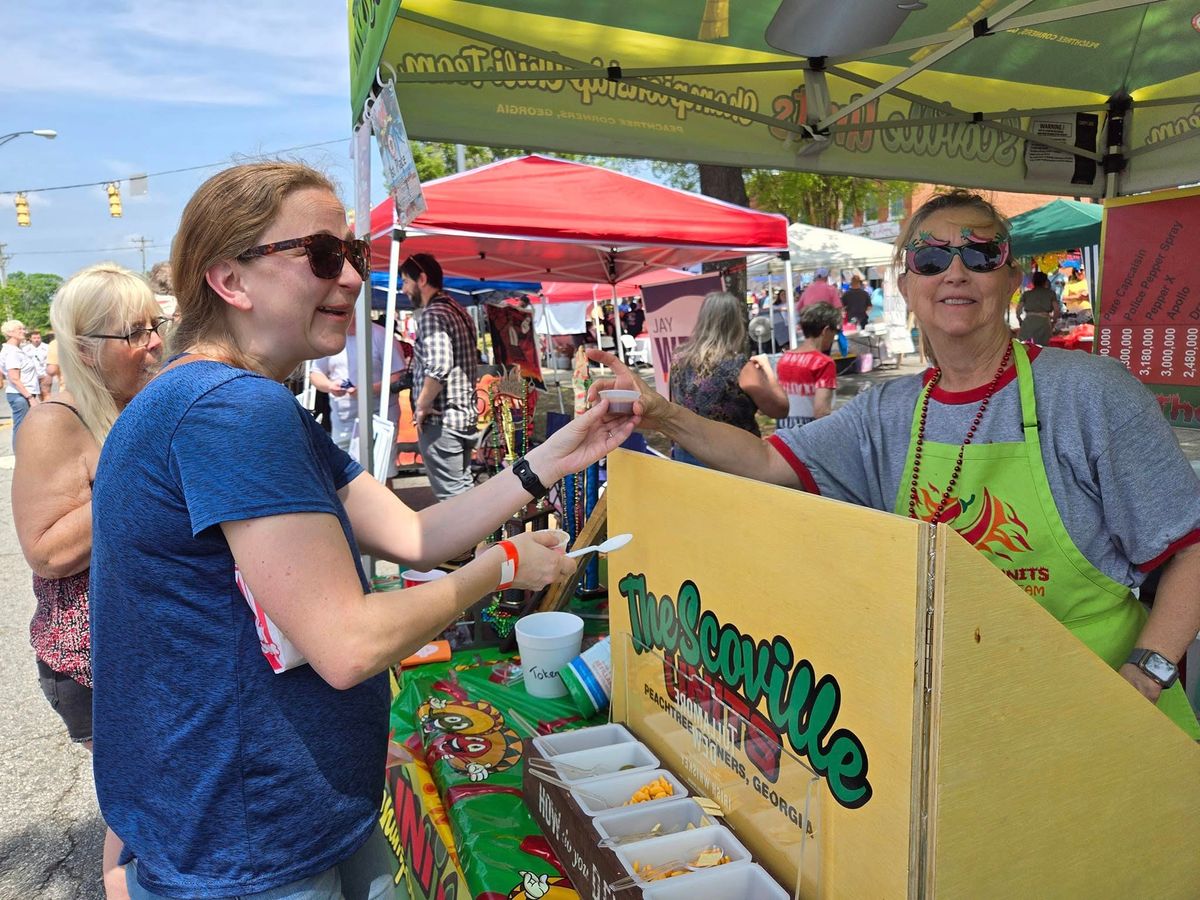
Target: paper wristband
[{"x": 508, "y": 568}]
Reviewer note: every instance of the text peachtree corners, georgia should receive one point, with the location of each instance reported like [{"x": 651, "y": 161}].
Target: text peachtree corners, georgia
[{"x": 799, "y": 706}]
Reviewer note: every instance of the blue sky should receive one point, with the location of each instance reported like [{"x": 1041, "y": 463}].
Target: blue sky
[{"x": 136, "y": 86}]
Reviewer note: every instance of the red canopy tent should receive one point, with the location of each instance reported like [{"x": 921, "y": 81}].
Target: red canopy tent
[
  {"x": 575, "y": 291},
  {"x": 533, "y": 218}
]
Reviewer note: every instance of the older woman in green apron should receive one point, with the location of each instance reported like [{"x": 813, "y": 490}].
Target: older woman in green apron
[{"x": 1058, "y": 466}]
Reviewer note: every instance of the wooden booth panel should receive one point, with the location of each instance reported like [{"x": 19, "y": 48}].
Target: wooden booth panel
[
  {"x": 841, "y": 588},
  {"x": 1054, "y": 777}
]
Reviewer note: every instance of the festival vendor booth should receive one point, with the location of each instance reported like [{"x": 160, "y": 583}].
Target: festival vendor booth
[
  {"x": 926, "y": 730},
  {"x": 811, "y": 248},
  {"x": 931, "y": 733},
  {"x": 635, "y": 347},
  {"x": 1051, "y": 233}
]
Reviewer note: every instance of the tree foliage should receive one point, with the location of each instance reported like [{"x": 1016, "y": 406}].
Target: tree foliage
[
  {"x": 26, "y": 297},
  {"x": 822, "y": 200}
]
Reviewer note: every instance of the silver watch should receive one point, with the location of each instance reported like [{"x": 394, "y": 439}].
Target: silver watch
[{"x": 1154, "y": 664}]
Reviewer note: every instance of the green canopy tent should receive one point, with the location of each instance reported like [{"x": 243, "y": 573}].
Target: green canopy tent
[
  {"x": 1073, "y": 98},
  {"x": 1059, "y": 225},
  {"x": 1062, "y": 225}
]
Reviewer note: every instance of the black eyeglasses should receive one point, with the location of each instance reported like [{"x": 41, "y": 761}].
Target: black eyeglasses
[
  {"x": 138, "y": 337},
  {"x": 326, "y": 254},
  {"x": 978, "y": 256}
]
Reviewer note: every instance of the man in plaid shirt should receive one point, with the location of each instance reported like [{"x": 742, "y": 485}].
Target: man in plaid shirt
[{"x": 444, "y": 373}]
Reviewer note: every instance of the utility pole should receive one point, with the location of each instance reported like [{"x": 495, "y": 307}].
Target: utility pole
[
  {"x": 4, "y": 280},
  {"x": 142, "y": 242}
]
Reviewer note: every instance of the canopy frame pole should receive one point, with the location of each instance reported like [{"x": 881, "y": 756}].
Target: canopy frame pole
[
  {"x": 1115, "y": 138},
  {"x": 389, "y": 327},
  {"x": 362, "y": 323},
  {"x": 550, "y": 351},
  {"x": 791, "y": 300},
  {"x": 978, "y": 29}
]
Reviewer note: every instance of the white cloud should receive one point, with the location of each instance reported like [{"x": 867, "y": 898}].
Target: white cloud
[
  {"x": 222, "y": 52},
  {"x": 37, "y": 200}
]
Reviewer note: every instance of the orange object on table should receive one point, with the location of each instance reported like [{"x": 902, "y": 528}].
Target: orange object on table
[{"x": 434, "y": 651}]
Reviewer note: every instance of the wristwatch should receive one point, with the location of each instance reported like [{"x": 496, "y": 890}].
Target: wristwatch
[
  {"x": 1157, "y": 666},
  {"x": 529, "y": 480}
]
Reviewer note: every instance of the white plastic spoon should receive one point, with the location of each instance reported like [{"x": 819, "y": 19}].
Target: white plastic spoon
[{"x": 616, "y": 542}]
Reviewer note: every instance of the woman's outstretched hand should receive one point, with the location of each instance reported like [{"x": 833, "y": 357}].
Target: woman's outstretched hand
[
  {"x": 581, "y": 442},
  {"x": 651, "y": 407}
]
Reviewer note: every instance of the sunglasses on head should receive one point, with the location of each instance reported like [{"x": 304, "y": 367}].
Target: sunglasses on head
[
  {"x": 978, "y": 256},
  {"x": 326, "y": 254}
]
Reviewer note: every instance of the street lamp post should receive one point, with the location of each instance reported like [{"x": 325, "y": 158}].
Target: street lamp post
[{"x": 47, "y": 133}]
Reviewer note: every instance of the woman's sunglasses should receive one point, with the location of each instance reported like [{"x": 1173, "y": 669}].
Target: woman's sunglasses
[
  {"x": 326, "y": 254},
  {"x": 977, "y": 256}
]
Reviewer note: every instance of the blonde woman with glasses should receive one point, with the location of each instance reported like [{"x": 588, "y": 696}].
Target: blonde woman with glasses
[{"x": 107, "y": 325}]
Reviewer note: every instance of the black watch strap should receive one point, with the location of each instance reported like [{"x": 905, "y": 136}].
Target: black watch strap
[{"x": 529, "y": 480}]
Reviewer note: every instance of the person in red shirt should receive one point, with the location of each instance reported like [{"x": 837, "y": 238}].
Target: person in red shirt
[
  {"x": 820, "y": 291},
  {"x": 807, "y": 374}
]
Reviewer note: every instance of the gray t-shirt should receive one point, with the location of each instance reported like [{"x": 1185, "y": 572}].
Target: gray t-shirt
[{"x": 1123, "y": 487}]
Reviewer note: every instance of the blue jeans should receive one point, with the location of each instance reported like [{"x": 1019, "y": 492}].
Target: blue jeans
[
  {"x": 19, "y": 406},
  {"x": 367, "y": 875}
]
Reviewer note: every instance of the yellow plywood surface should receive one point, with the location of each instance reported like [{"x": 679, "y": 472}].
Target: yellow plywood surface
[
  {"x": 1054, "y": 777},
  {"x": 839, "y": 586}
]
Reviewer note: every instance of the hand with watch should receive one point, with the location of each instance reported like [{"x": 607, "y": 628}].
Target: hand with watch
[
  {"x": 1150, "y": 672},
  {"x": 581, "y": 442}
]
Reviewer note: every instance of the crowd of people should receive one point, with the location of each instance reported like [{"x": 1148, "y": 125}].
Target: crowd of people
[{"x": 208, "y": 764}]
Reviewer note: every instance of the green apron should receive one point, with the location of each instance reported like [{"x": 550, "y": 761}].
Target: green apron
[{"x": 1005, "y": 510}]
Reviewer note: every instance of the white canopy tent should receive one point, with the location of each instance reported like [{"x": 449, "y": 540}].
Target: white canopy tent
[{"x": 812, "y": 248}]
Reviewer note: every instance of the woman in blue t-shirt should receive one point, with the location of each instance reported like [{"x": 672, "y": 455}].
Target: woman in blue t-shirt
[{"x": 222, "y": 777}]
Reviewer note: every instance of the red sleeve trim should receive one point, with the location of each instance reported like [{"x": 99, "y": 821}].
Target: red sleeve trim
[
  {"x": 1184, "y": 542},
  {"x": 807, "y": 483}
]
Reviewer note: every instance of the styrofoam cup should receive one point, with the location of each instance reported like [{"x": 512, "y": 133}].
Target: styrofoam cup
[
  {"x": 413, "y": 577},
  {"x": 547, "y": 641}
]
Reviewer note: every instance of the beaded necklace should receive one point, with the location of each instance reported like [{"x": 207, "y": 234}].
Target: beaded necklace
[{"x": 962, "y": 449}]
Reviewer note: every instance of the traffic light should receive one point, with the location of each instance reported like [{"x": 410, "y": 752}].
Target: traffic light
[
  {"x": 22, "y": 211},
  {"x": 114, "y": 199}
]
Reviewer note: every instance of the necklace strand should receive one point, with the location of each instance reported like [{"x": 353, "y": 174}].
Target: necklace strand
[{"x": 962, "y": 448}]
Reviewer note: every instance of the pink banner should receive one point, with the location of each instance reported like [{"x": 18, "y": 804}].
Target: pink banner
[{"x": 671, "y": 312}]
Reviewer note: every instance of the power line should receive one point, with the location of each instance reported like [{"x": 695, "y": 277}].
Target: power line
[
  {"x": 87, "y": 250},
  {"x": 68, "y": 187}
]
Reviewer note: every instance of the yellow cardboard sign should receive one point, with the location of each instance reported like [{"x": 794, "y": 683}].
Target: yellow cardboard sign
[{"x": 785, "y": 693}]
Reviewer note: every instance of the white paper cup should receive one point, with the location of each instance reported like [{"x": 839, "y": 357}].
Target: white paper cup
[
  {"x": 413, "y": 577},
  {"x": 547, "y": 641}
]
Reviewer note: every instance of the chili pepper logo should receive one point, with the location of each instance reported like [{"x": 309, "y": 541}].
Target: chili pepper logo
[{"x": 990, "y": 525}]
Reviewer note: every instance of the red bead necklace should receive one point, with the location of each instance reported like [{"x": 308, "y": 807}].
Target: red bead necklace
[{"x": 962, "y": 449}]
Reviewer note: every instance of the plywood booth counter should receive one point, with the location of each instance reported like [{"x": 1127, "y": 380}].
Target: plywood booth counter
[{"x": 879, "y": 710}]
